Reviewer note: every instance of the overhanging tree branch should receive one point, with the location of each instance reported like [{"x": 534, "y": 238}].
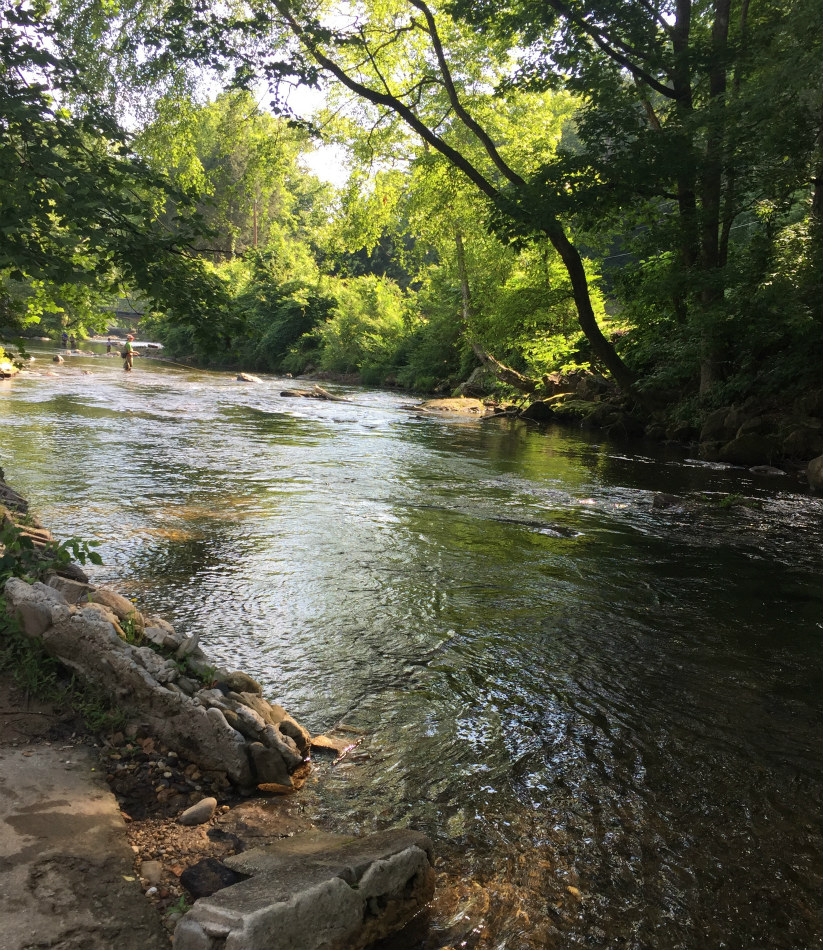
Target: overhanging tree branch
[{"x": 612, "y": 47}]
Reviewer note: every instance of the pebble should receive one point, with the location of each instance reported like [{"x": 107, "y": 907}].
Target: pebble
[
  {"x": 151, "y": 891},
  {"x": 152, "y": 871},
  {"x": 200, "y": 813}
]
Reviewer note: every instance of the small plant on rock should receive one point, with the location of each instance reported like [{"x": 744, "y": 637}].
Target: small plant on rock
[{"x": 132, "y": 631}]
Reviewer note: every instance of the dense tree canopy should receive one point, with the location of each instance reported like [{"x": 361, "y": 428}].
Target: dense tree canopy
[{"x": 632, "y": 186}]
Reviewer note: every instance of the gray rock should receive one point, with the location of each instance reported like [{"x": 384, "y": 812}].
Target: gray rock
[
  {"x": 714, "y": 428},
  {"x": 267, "y": 711},
  {"x": 152, "y": 871},
  {"x": 274, "y": 738},
  {"x": 710, "y": 451},
  {"x": 237, "y": 682},
  {"x": 86, "y": 640},
  {"x": 251, "y": 724},
  {"x": 189, "y": 686},
  {"x": 37, "y": 606},
  {"x": 315, "y": 891},
  {"x": 538, "y": 412},
  {"x": 73, "y": 591},
  {"x": 268, "y": 765},
  {"x": 803, "y": 442},
  {"x": 100, "y": 610},
  {"x": 247, "y": 378},
  {"x": 170, "y": 639},
  {"x": 159, "y": 637},
  {"x": 814, "y": 473},
  {"x": 188, "y": 647},
  {"x": 73, "y": 572},
  {"x": 756, "y": 425},
  {"x": 199, "y": 813},
  {"x": 751, "y": 449}
]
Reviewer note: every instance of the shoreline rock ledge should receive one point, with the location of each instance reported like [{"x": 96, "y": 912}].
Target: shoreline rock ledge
[
  {"x": 214, "y": 717},
  {"x": 311, "y": 892}
]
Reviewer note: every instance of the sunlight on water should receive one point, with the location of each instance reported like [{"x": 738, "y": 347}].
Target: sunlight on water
[{"x": 605, "y": 710}]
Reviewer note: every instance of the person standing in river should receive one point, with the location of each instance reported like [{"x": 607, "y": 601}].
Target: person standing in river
[
  {"x": 128, "y": 354},
  {"x": 64, "y": 339}
]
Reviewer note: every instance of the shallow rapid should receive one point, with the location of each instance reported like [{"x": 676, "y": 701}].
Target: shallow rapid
[{"x": 606, "y": 712}]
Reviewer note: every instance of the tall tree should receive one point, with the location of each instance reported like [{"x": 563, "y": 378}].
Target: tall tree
[
  {"x": 76, "y": 205},
  {"x": 402, "y": 58},
  {"x": 702, "y": 110}
]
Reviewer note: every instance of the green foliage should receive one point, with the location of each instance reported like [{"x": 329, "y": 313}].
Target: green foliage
[
  {"x": 366, "y": 325},
  {"x": 546, "y": 132},
  {"x": 22, "y": 558},
  {"x": 80, "y": 214},
  {"x": 132, "y": 631}
]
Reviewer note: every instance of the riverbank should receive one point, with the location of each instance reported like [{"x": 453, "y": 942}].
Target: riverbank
[{"x": 111, "y": 834}]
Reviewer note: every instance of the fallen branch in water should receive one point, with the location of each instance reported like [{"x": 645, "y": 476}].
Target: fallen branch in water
[{"x": 348, "y": 749}]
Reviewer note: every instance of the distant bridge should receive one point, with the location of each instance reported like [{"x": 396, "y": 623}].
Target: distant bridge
[{"x": 126, "y": 319}]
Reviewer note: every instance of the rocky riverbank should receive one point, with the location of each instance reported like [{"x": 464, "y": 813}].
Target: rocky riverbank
[
  {"x": 203, "y": 770},
  {"x": 752, "y": 434}
]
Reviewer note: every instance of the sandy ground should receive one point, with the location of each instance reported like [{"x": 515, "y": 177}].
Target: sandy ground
[{"x": 68, "y": 876}]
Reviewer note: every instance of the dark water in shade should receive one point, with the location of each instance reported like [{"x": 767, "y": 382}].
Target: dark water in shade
[{"x": 607, "y": 715}]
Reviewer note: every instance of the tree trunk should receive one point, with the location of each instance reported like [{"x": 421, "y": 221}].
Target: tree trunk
[
  {"x": 505, "y": 373},
  {"x": 602, "y": 349},
  {"x": 686, "y": 192},
  {"x": 712, "y": 292},
  {"x": 463, "y": 273}
]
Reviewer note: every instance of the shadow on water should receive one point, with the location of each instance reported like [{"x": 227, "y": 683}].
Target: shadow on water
[{"x": 607, "y": 712}]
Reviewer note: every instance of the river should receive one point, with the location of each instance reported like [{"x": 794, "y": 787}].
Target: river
[{"x": 606, "y": 713}]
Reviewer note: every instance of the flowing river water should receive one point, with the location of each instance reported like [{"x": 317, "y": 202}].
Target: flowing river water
[{"x": 607, "y": 713}]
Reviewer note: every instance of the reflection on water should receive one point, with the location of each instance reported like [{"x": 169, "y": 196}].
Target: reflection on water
[{"x": 607, "y": 714}]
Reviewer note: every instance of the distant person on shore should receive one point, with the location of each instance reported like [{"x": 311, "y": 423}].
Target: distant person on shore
[
  {"x": 64, "y": 339},
  {"x": 108, "y": 346},
  {"x": 128, "y": 354}
]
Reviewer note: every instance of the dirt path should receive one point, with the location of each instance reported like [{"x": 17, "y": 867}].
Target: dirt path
[{"x": 68, "y": 878}]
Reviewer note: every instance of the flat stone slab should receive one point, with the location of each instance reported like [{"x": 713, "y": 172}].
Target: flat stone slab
[
  {"x": 67, "y": 870},
  {"x": 315, "y": 891}
]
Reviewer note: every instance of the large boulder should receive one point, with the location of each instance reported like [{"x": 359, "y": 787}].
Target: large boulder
[
  {"x": 749, "y": 449},
  {"x": 591, "y": 386},
  {"x": 714, "y": 428},
  {"x": 814, "y": 473},
  {"x": 36, "y": 606},
  {"x": 804, "y": 440},
  {"x": 539, "y": 411},
  {"x": 315, "y": 892}
]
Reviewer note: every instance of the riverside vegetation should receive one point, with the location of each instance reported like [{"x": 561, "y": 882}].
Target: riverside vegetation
[{"x": 630, "y": 191}]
